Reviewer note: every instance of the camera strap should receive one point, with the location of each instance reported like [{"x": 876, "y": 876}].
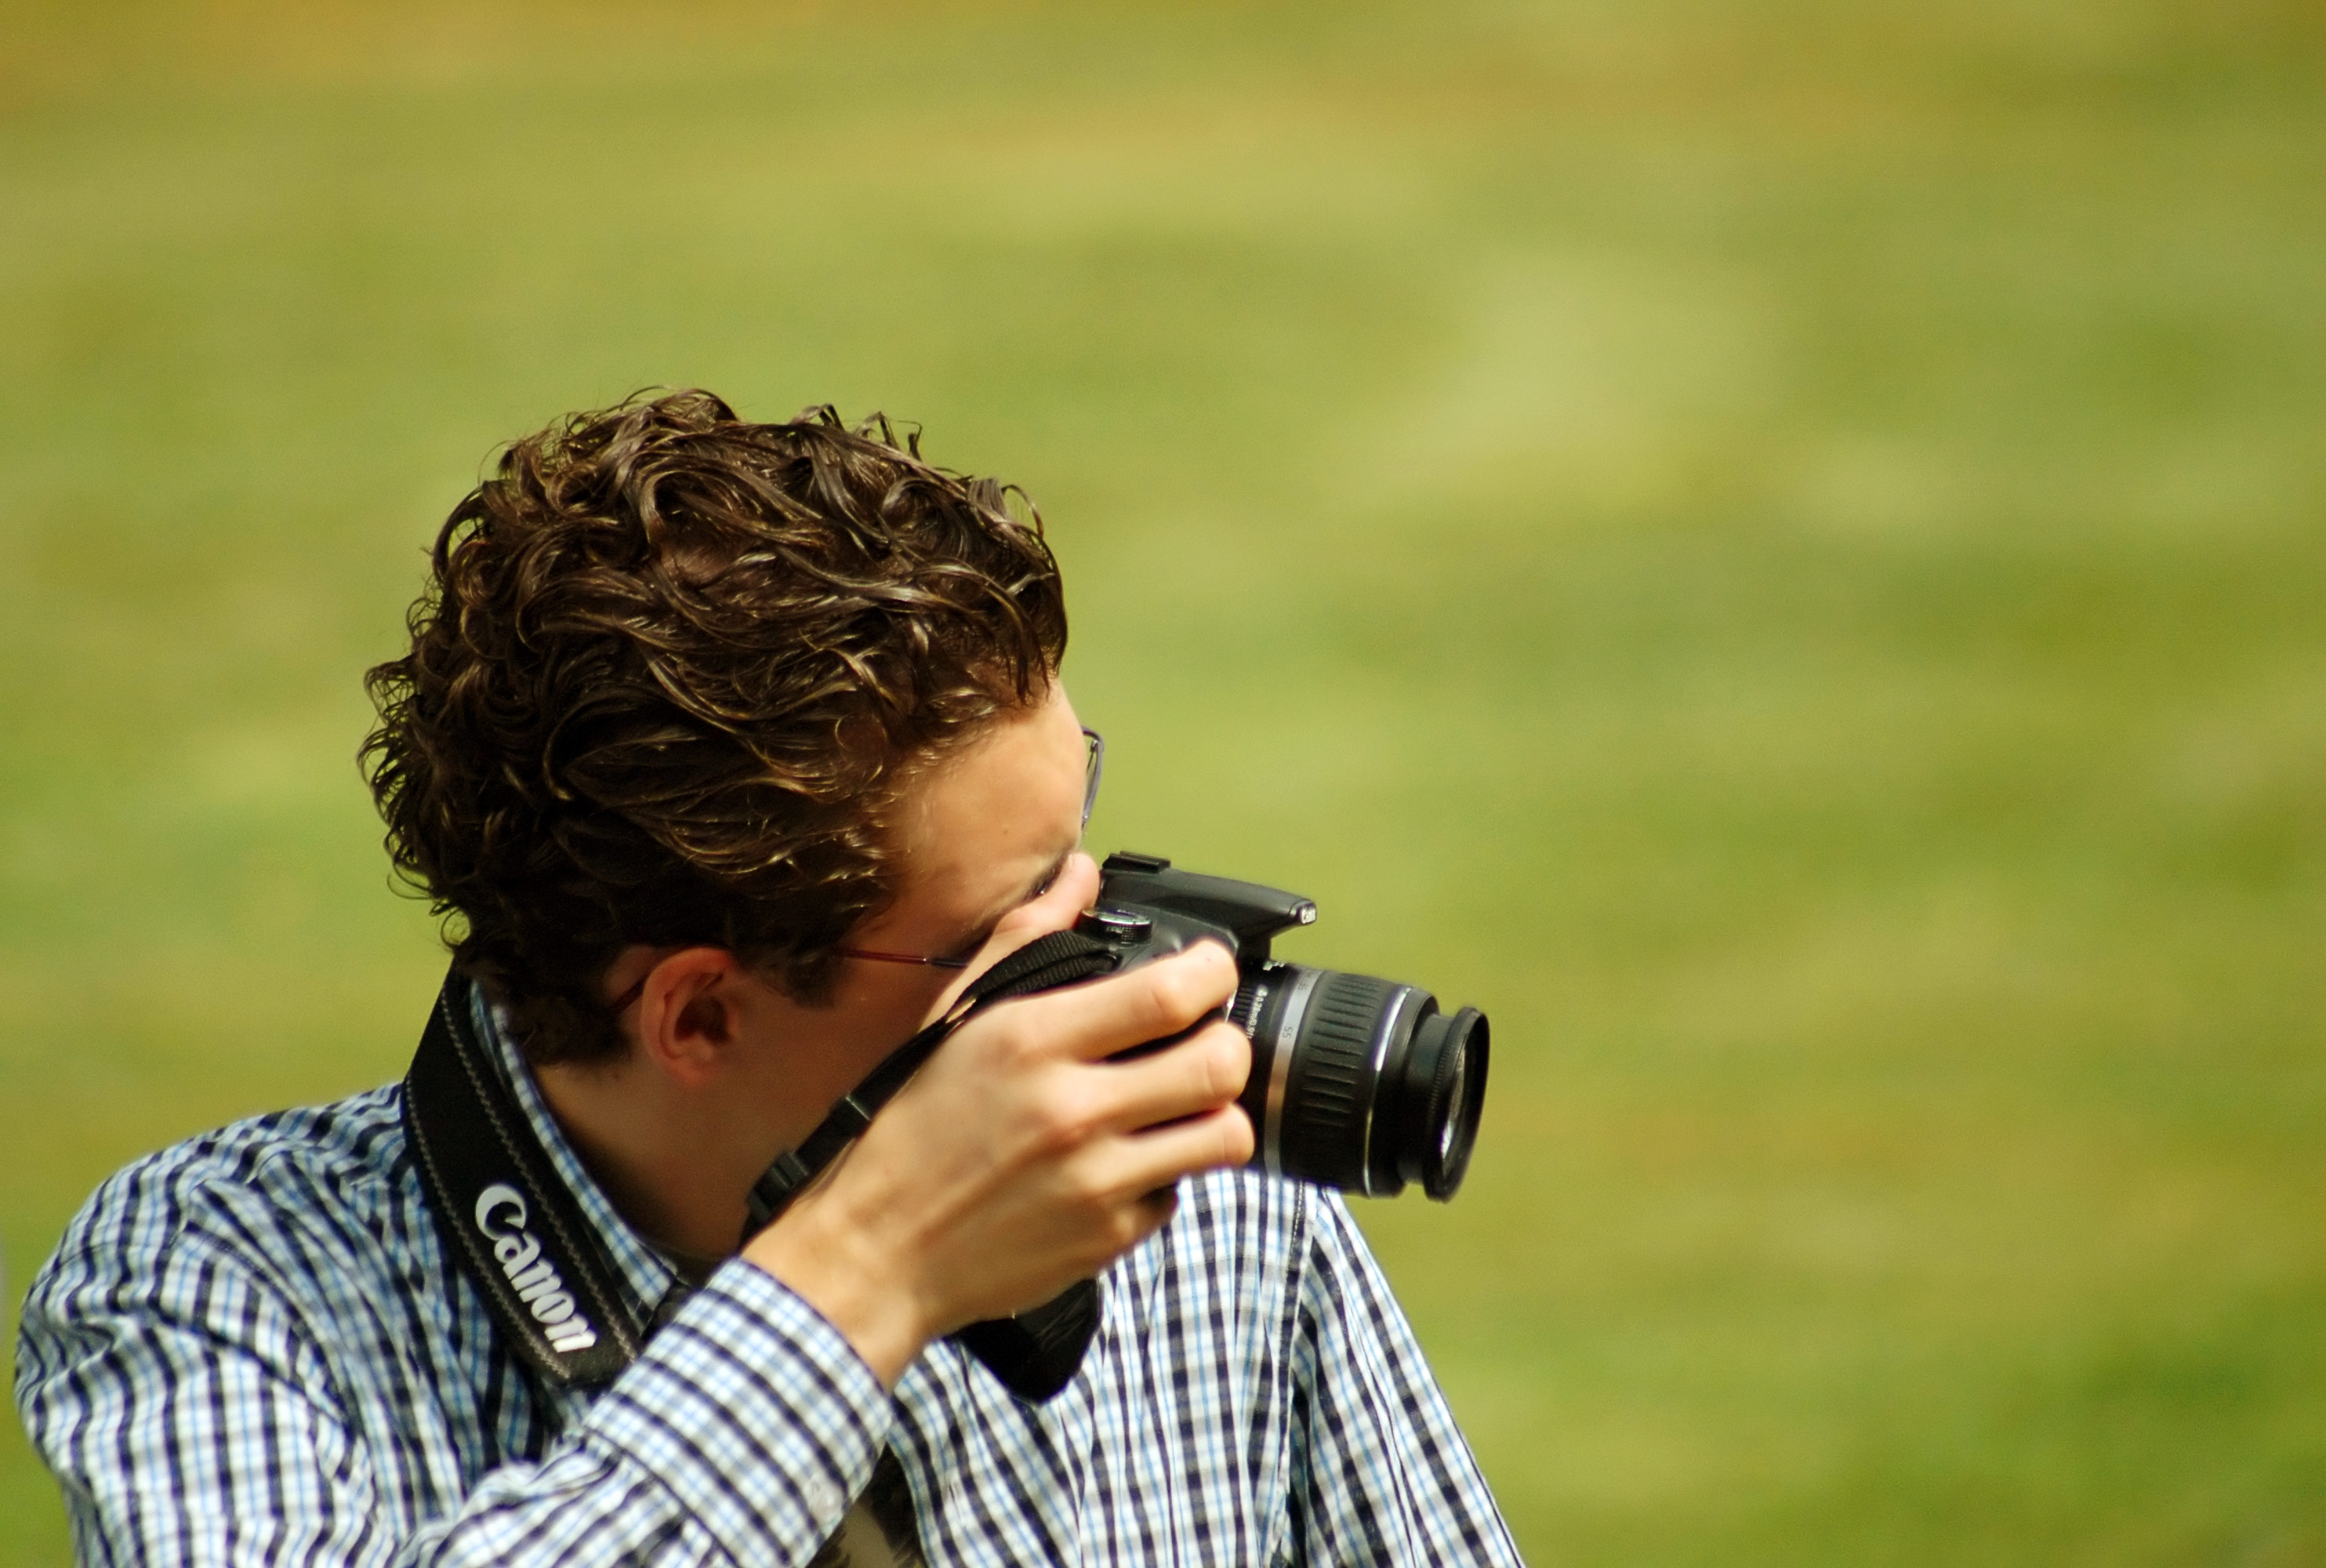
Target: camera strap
[
  {"x": 516, "y": 1228},
  {"x": 521, "y": 1237}
]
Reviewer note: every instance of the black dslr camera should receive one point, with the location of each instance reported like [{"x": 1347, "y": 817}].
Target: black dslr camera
[{"x": 1358, "y": 1083}]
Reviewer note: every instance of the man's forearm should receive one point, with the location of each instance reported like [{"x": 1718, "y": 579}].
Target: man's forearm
[
  {"x": 739, "y": 1436},
  {"x": 190, "y": 1419}
]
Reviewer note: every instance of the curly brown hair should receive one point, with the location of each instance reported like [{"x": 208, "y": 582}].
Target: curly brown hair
[{"x": 668, "y": 678}]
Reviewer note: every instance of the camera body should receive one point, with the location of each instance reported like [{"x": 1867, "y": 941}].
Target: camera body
[{"x": 1357, "y": 1083}]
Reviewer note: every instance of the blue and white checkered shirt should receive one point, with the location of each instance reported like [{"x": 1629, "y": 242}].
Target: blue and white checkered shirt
[{"x": 252, "y": 1348}]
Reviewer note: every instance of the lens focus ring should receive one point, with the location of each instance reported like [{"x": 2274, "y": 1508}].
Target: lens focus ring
[{"x": 1333, "y": 1083}]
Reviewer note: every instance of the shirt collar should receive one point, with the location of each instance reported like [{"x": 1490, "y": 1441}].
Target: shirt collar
[{"x": 645, "y": 1276}]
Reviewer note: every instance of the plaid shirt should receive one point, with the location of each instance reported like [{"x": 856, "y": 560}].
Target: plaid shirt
[{"x": 253, "y": 1348}]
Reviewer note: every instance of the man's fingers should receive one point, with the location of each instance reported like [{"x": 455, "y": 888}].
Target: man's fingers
[
  {"x": 1153, "y": 1001},
  {"x": 1146, "y": 1161},
  {"x": 1191, "y": 1077}
]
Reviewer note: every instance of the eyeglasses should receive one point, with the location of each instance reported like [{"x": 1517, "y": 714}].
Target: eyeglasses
[{"x": 1094, "y": 769}]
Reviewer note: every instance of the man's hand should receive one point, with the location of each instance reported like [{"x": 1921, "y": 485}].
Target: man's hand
[{"x": 1020, "y": 1159}]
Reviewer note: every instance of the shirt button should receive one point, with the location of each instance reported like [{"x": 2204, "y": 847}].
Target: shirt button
[{"x": 821, "y": 1498}]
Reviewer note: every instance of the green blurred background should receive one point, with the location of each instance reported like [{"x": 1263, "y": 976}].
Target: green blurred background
[{"x": 1777, "y": 547}]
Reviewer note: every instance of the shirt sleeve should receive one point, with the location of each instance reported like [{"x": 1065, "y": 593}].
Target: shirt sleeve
[
  {"x": 1380, "y": 1471},
  {"x": 191, "y": 1418}
]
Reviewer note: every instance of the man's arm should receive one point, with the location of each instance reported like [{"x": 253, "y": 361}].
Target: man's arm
[
  {"x": 192, "y": 1418},
  {"x": 189, "y": 1412},
  {"x": 1025, "y": 1155},
  {"x": 1381, "y": 1473}
]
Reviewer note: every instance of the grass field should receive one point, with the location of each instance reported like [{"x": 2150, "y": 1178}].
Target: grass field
[{"x": 1778, "y": 548}]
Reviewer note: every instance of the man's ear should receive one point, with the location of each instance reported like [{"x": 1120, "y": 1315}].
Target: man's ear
[{"x": 686, "y": 1015}]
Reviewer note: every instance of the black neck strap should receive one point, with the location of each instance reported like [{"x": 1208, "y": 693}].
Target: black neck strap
[
  {"x": 552, "y": 1290},
  {"x": 516, "y": 1227}
]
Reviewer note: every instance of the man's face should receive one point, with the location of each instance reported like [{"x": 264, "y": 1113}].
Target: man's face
[{"x": 979, "y": 834}]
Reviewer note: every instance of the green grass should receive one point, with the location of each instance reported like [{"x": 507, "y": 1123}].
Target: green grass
[{"x": 1778, "y": 548}]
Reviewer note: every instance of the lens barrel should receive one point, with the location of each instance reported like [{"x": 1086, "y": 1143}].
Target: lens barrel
[{"x": 1360, "y": 1083}]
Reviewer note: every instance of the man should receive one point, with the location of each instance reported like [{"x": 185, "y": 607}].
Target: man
[{"x": 733, "y": 753}]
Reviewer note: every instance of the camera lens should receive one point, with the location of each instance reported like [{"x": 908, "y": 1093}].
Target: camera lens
[{"x": 1360, "y": 1083}]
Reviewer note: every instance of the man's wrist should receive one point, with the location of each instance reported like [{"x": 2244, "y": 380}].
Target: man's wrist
[{"x": 833, "y": 1266}]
